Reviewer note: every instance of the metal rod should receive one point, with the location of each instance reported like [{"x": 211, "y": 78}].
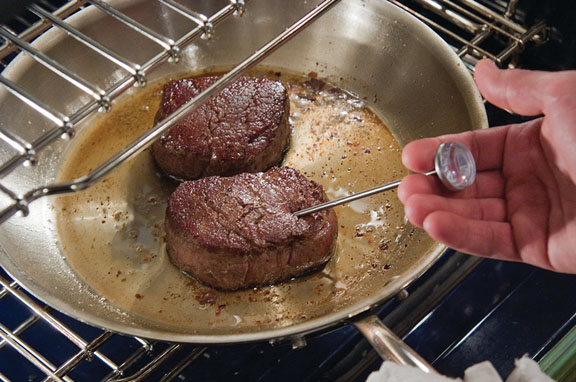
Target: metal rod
[
  {"x": 198, "y": 18},
  {"x": 14, "y": 141},
  {"x": 165, "y": 42},
  {"x": 353, "y": 197},
  {"x": 494, "y": 15},
  {"x": 456, "y": 18},
  {"x": 8, "y": 192},
  {"x": 480, "y": 37},
  {"x": 519, "y": 44},
  {"x": 40, "y": 27},
  {"x": 183, "y": 364},
  {"x": 29, "y": 353},
  {"x": 485, "y": 23},
  {"x": 134, "y": 357},
  {"x": 444, "y": 30},
  {"x": 98, "y": 94},
  {"x": 57, "y": 118},
  {"x": 131, "y": 68},
  {"x": 151, "y": 366},
  {"x": 49, "y": 319},
  {"x": 511, "y": 9},
  {"x": 215, "y": 19},
  {"x": 81, "y": 355}
]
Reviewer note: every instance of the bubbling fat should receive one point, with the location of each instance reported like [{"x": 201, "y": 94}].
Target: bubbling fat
[{"x": 113, "y": 233}]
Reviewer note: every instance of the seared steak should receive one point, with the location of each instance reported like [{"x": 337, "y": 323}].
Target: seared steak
[
  {"x": 244, "y": 128},
  {"x": 237, "y": 232}
]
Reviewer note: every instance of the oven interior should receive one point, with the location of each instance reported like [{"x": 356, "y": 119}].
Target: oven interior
[{"x": 462, "y": 311}]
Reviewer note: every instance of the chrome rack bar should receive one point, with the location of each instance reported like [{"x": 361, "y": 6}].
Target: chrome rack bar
[
  {"x": 131, "y": 68},
  {"x": 57, "y": 118},
  {"x": 456, "y": 18},
  {"x": 98, "y": 94},
  {"x": 483, "y": 23},
  {"x": 504, "y": 20},
  {"x": 198, "y": 18},
  {"x": 26, "y": 351},
  {"x": 533, "y": 33},
  {"x": 80, "y": 356},
  {"x": 167, "y": 43},
  {"x": 40, "y": 27},
  {"x": 151, "y": 366},
  {"x": 24, "y": 148},
  {"x": 235, "y": 7},
  {"x": 48, "y": 318},
  {"x": 183, "y": 364},
  {"x": 444, "y": 30},
  {"x": 119, "y": 371}
]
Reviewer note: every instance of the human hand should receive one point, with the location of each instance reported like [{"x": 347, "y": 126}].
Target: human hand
[{"x": 522, "y": 206}]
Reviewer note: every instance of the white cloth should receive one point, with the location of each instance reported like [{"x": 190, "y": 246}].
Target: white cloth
[{"x": 526, "y": 370}]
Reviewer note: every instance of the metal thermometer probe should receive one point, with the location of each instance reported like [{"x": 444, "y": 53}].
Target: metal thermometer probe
[{"x": 453, "y": 164}]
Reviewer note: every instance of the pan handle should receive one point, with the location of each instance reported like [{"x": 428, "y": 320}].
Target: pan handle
[{"x": 388, "y": 345}]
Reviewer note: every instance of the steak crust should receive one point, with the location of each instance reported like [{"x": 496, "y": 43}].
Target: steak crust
[
  {"x": 244, "y": 128},
  {"x": 239, "y": 232}
]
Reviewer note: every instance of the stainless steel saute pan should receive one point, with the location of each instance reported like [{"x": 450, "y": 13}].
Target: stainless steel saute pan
[{"x": 122, "y": 280}]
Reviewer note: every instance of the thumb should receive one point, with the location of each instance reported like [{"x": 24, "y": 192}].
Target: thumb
[{"x": 524, "y": 92}]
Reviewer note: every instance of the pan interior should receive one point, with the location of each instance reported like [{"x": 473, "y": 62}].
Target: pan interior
[
  {"x": 412, "y": 82},
  {"x": 112, "y": 234}
]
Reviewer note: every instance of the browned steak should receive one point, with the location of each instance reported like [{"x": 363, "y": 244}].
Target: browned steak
[
  {"x": 244, "y": 128},
  {"x": 240, "y": 231}
]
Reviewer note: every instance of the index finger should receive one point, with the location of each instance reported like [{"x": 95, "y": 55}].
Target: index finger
[{"x": 487, "y": 147}]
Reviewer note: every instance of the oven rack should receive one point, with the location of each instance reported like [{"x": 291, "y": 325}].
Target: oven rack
[
  {"x": 476, "y": 30},
  {"x": 473, "y": 29}
]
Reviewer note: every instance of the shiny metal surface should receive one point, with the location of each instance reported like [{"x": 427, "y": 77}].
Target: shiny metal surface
[
  {"x": 351, "y": 198},
  {"x": 388, "y": 345},
  {"x": 407, "y": 74},
  {"x": 455, "y": 166}
]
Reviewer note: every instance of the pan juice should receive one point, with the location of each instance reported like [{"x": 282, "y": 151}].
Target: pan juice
[{"x": 113, "y": 233}]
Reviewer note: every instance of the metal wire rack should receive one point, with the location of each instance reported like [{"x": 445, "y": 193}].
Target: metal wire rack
[
  {"x": 476, "y": 30},
  {"x": 472, "y": 28}
]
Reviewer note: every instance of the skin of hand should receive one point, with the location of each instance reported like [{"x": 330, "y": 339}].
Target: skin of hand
[{"x": 522, "y": 206}]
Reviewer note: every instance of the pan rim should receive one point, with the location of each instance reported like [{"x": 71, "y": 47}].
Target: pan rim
[{"x": 293, "y": 331}]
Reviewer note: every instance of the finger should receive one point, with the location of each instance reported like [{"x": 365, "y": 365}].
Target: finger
[
  {"x": 526, "y": 92},
  {"x": 487, "y": 147},
  {"x": 419, "y": 206},
  {"x": 418, "y": 184},
  {"x": 488, "y": 239},
  {"x": 488, "y": 184}
]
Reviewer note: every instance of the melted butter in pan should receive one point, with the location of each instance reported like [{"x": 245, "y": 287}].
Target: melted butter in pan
[{"x": 113, "y": 236}]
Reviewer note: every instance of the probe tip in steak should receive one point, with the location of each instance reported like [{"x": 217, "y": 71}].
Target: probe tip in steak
[
  {"x": 241, "y": 231},
  {"x": 244, "y": 128}
]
